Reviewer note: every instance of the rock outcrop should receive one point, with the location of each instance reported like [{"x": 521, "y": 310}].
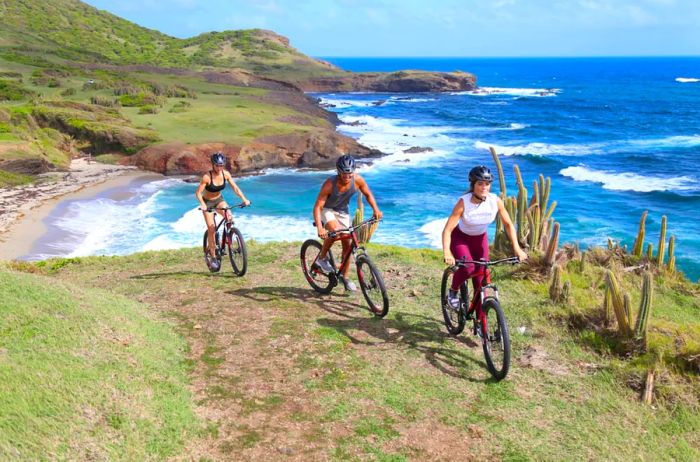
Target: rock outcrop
[
  {"x": 394, "y": 82},
  {"x": 315, "y": 149}
]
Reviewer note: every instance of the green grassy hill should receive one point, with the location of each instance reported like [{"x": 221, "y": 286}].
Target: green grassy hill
[
  {"x": 71, "y": 30},
  {"x": 279, "y": 372}
]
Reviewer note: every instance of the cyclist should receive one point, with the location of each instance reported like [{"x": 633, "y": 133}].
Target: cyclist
[
  {"x": 209, "y": 194},
  {"x": 465, "y": 236},
  {"x": 331, "y": 211}
]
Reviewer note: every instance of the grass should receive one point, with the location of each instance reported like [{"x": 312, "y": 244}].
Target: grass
[
  {"x": 316, "y": 375},
  {"x": 87, "y": 374},
  {"x": 9, "y": 179}
]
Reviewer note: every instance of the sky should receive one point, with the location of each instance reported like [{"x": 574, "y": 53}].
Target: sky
[{"x": 434, "y": 28}]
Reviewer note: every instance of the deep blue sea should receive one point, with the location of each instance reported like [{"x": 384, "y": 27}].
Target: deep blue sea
[{"x": 617, "y": 136}]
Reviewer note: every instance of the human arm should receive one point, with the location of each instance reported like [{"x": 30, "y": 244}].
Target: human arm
[
  {"x": 452, "y": 221},
  {"x": 236, "y": 189},
  {"x": 510, "y": 231},
  {"x": 200, "y": 189},
  {"x": 364, "y": 189},
  {"x": 323, "y": 194}
]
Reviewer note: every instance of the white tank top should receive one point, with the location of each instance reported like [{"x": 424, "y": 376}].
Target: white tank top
[{"x": 476, "y": 218}]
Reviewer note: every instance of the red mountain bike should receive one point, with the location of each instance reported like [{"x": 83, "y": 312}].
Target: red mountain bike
[
  {"x": 227, "y": 240},
  {"x": 489, "y": 321},
  {"x": 369, "y": 277}
]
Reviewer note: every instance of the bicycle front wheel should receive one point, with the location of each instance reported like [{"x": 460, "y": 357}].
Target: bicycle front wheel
[
  {"x": 455, "y": 318},
  {"x": 372, "y": 286},
  {"x": 237, "y": 252},
  {"x": 495, "y": 339},
  {"x": 317, "y": 279},
  {"x": 214, "y": 264}
]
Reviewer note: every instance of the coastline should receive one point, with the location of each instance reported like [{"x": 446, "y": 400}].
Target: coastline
[{"x": 23, "y": 209}]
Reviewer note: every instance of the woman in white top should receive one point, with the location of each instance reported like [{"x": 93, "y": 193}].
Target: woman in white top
[{"x": 465, "y": 233}]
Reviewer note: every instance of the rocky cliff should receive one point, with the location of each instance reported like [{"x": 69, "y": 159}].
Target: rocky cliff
[
  {"x": 317, "y": 148},
  {"x": 393, "y": 82}
]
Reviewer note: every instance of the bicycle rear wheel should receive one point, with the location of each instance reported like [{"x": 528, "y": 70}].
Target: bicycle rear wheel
[
  {"x": 372, "y": 285},
  {"x": 495, "y": 339},
  {"x": 317, "y": 279},
  {"x": 213, "y": 263},
  {"x": 237, "y": 252},
  {"x": 455, "y": 318}
]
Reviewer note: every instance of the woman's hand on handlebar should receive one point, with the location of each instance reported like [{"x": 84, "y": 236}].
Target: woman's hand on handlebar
[
  {"x": 449, "y": 258},
  {"x": 322, "y": 233}
]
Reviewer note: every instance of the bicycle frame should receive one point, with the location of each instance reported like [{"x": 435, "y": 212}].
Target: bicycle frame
[
  {"x": 478, "y": 313},
  {"x": 355, "y": 248}
]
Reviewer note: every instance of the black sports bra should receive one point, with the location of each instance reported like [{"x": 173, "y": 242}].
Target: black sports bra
[{"x": 211, "y": 187}]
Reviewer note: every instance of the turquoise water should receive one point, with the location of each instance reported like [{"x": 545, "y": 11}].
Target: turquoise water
[{"x": 616, "y": 135}]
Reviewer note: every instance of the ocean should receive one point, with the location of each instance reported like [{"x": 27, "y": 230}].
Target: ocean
[{"x": 617, "y": 136}]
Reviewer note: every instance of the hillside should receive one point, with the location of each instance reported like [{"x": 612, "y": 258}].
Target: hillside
[
  {"x": 75, "y": 80},
  {"x": 279, "y": 372}
]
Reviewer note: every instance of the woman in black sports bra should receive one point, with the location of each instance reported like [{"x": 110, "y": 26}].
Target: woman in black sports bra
[{"x": 209, "y": 193}]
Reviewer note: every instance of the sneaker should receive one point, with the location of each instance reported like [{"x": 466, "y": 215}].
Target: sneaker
[
  {"x": 453, "y": 299},
  {"x": 348, "y": 284},
  {"x": 324, "y": 264}
]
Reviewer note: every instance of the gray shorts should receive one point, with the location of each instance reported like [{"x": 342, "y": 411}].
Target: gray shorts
[{"x": 212, "y": 203}]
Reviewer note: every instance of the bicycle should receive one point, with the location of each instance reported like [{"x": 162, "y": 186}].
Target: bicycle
[
  {"x": 369, "y": 277},
  {"x": 229, "y": 240},
  {"x": 495, "y": 341}
]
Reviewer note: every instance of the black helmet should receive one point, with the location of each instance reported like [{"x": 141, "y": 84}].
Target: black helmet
[
  {"x": 218, "y": 158},
  {"x": 480, "y": 173},
  {"x": 345, "y": 164}
]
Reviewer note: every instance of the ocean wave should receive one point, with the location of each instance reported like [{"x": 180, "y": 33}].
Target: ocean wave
[
  {"x": 389, "y": 136},
  {"x": 543, "y": 149},
  {"x": 687, "y": 79},
  {"x": 529, "y": 92},
  {"x": 335, "y": 103},
  {"x": 546, "y": 149},
  {"x": 432, "y": 231},
  {"x": 625, "y": 181}
]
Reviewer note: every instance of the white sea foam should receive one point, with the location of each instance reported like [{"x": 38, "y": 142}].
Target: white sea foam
[
  {"x": 336, "y": 103},
  {"x": 516, "y": 126},
  {"x": 543, "y": 149},
  {"x": 629, "y": 181},
  {"x": 432, "y": 230},
  {"x": 389, "y": 136},
  {"x": 679, "y": 141},
  {"x": 687, "y": 79},
  {"x": 529, "y": 92}
]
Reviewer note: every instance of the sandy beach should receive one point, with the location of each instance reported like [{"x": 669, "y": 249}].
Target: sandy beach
[{"x": 24, "y": 208}]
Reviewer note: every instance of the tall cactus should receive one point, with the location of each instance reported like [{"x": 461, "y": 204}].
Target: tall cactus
[
  {"x": 662, "y": 243},
  {"x": 640, "y": 328},
  {"x": 521, "y": 217},
  {"x": 617, "y": 299},
  {"x": 501, "y": 177},
  {"x": 639, "y": 242},
  {"x": 364, "y": 234},
  {"x": 650, "y": 251},
  {"x": 671, "y": 257},
  {"x": 552, "y": 247},
  {"x": 607, "y": 307}
]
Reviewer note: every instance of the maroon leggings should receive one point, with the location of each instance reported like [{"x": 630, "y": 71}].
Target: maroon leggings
[{"x": 473, "y": 248}]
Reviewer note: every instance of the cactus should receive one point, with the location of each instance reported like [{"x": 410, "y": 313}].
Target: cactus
[
  {"x": 607, "y": 307},
  {"x": 640, "y": 328},
  {"x": 566, "y": 291},
  {"x": 583, "y": 262},
  {"x": 552, "y": 247},
  {"x": 650, "y": 252},
  {"x": 501, "y": 177},
  {"x": 556, "y": 287},
  {"x": 364, "y": 234},
  {"x": 662, "y": 243},
  {"x": 617, "y": 300},
  {"x": 671, "y": 257},
  {"x": 626, "y": 304},
  {"x": 639, "y": 242}
]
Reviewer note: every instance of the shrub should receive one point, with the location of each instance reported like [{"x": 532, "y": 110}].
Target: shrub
[
  {"x": 148, "y": 109},
  {"x": 103, "y": 101},
  {"x": 13, "y": 91},
  {"x": 68, "y": 92}
]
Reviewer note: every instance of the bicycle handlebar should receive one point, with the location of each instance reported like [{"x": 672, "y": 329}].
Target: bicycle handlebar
[
  {"x": 237, "y": 206},
  {"x": 350, "y": 229},
  {"x": 510, "y": 260}
]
